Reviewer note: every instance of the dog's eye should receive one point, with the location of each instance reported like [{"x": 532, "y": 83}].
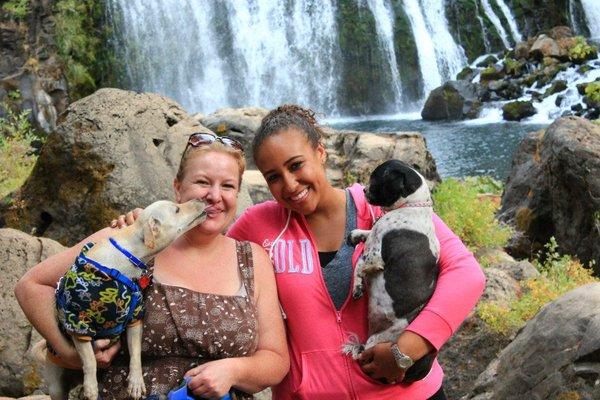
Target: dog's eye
[{"x": 176, "y": 210}]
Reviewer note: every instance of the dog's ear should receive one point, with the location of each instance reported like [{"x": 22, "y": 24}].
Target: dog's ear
[{"x": 151, "y": 231}]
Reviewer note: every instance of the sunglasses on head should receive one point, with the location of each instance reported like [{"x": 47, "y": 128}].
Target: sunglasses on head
[{"x": 200, "y": 139}]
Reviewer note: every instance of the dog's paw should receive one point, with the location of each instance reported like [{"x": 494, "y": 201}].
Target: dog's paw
[
  {"x": 355, "y": 237},
  {"x": 136, "y": 387},
  {"x": 90, "y": 390},
  {"x": 358, "y": 291},
  {"x": 353, "y": 349}
]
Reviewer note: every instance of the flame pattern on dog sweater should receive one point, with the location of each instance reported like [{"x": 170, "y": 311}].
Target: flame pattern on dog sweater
[{"x": 93, "y": 304}]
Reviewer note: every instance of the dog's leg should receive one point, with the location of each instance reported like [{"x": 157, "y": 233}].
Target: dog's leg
[
  {"x": 390, "y": 334},
  {"x": 136, "y": 387},
  {"x": 90, "y": 382},
  {"x": 357, "y": 236},
  {"x": 55, "y": 379},
  {"x": 369, "y": 262}
]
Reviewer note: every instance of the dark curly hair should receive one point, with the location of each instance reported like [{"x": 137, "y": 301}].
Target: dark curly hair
[{"x": 285, "y": 117}]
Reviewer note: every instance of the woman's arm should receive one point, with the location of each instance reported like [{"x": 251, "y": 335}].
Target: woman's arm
[
  {"x": 460, "y": 284},
  {"x": 269, "y": 364},
  {"x": 35, "y": 294}
]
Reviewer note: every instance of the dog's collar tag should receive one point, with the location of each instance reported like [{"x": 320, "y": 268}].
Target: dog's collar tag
[{"x": 133, "y": 259}]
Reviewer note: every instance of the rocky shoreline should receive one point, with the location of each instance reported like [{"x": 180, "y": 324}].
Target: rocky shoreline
[{"x": 554, "y": 71}]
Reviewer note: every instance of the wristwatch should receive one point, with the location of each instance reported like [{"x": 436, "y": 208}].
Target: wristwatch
[{"x": 402, "y": 360}]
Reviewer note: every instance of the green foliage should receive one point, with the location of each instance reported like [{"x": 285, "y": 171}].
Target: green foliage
[
  {"x": 14, "y": 95},
  {"x": 512, "y": 66},
  {"x": 16, "y": 162},
  {"x": 558, "y": 275},
  {"x": 470, "y": 215},
  {"x": 485, "y": 184},
  {"x": 15, "y": 125},
  {"x": 78, "y": 42},
  {"x": 18, "y": 9},
  {"x": 582, "y": 51},
  {"x": 592, "y": 92}
]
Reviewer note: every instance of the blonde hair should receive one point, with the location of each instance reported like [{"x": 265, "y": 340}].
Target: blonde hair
[{"x": 215, "y": 147}]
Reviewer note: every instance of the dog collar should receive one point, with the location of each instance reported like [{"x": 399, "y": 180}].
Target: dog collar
[
  {"x": 427, "y": 203},
  {"x": 133, "y": 259}
]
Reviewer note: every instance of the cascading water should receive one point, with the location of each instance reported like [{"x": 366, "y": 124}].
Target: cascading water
[
  {"x": 489, "y": 11},
  {"x": 426, "y": 49},
  {"x": 591, "y": 9},
  {"x": 208, "y": 54},
  {"x": 512, "y": 24},
  {"x": 450, "y": 56},
  {"x": 384, "y": 20}
]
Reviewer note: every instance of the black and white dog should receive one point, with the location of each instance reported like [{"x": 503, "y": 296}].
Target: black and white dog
[{"x": 399, "y": 260}]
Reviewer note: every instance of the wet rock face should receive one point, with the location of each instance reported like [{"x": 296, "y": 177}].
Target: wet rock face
[
  {"x": 455, "y": 100},
  {"x": 554, "y": 190}
]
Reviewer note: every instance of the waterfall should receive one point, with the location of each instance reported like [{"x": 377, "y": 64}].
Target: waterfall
[
  {"x": 489, "y": 11},
  {"x": 426, "y": 49},
  {"x": 450, "y": 56},
  {"x": 512, "y": 24},
  {"x": 384, "y": 23},
  {"x": 484, "y": 31},
  {"x": 440, "y": 58},
  {"x": 591, "y": 9},
  {"x": 208, "y": 54}
]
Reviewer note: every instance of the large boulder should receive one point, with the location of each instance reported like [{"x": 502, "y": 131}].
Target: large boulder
[
  {"x": 555, "y": 356},
  {"x": 554, "y": 190},
  {"x": 20, "y": 373},
  {"x": 352, "y": 156},
  {"x": 454, "y": 100},
  {"x": 517, "y": 110},
  {"x": 544, "y": 46},
  {"x": 112, "y": 151},
  {"x": 475, "y": 345},
  {"x": 239, "y": 123}
]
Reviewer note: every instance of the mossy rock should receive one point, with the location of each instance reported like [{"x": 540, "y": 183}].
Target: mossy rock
[
  {"x": 517, "y": 110},
  {"x": 466, "y": 74},
  {"x": 513, "y": 67},
  {"x": 491, "y": 73},
  {"x": 487, "y": 62},
  {"x": 557, "y": 86}
]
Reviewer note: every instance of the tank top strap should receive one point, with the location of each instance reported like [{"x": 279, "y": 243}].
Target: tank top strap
[{"x": 246, "y": 266}]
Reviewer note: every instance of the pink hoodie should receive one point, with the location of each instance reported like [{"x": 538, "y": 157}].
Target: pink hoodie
[{"x": 316, "y": 331}]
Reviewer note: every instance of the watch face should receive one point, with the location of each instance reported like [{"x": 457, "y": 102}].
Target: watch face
[{"x": 402, "y": 360}]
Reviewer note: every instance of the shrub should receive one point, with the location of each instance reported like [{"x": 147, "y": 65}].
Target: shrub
[
  {"x": 17, "y": 9},
  {"x": 558, "y": 275},
  {"x": 15, "y": 125},
  {"x": 592, "y": 92},
  {"x": 582, "y": 51},
  {"x": 469, "y": 215},
  {"x": 78, "y": 43}
]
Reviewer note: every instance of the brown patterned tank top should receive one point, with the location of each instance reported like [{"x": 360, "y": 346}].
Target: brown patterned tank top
[{"x": 184, "y": 328}]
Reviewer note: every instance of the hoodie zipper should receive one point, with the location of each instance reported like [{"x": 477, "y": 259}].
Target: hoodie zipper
[{"x": 337, "y": 314}]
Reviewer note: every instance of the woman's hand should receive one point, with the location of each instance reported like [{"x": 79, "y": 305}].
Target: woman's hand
[
  {"x": 378, "y": 362},
  {"x": 212, "y": 379},
  {"x": 127, "y": 219},
  {"x": 105, "y": 351}
]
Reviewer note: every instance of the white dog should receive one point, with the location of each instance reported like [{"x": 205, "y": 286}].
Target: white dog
[
  {"x": 400, "y": 259},
  {"x": 100, "y": 296}
]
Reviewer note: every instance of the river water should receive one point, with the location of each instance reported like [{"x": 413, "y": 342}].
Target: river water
[{"x": 459, "y": 148}]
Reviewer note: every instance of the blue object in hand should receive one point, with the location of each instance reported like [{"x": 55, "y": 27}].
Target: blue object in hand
[{"x": 183, "y": 393}]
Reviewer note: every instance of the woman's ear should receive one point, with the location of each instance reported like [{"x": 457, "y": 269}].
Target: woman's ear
[
  {"x": 176, "y": 189},
  {"x": 321, "y": 153}
]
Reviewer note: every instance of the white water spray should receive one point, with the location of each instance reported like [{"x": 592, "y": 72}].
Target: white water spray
[
  {"x": 512, "y": 23},
  {"x": 489, "y": 11},
  {"x": 591, "y": 9}
]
